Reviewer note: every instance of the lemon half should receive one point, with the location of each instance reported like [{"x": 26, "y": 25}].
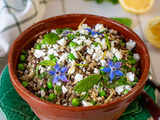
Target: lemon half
[{"x": 137, "y": 6}]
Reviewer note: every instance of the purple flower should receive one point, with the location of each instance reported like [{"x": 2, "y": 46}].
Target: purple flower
[
  {"x": 113, "y": 69},
  {"x": 58, "y": 73},
  {"x": 93, "y": 32}
]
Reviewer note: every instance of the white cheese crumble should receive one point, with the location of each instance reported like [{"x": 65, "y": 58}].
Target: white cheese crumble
[
  {"x": 130, "y": 45},
  {"x": 84, "y": 26},
  {"x": 104, "y": 45},
  {"x": 52, "y": 51},
  {"x": 130, "y": 76},
  {"x": 99, "y": 27},
  {"x": 86, "y": 103},
  {"x": 71, "y": 72},
  {"x": 88, "y": 42},
  {"x": 118, "y": 55},
  {"x": 89, "y": 51},
  {"x": 43, "y": 93},
  {"x": 119, "y": 89},
  {"x": 39, "y": 53},
  {"x": 136, "y": 56},
  {"x": 63, "y": 58},
  {"x": 108, "y": 55},
  {"x": 103, "y": 63},
  {"x": 62, "y": 42},
  {"x": 46, "y": 58},
  {"x": 58, "y": 83},
  {"x": 96, "y": 71},
  {"x": 85, "y": 32},
  {"x": 78, "y": 77},
  {"x": 64, "y": 89},
  {"x": 53, "y": 31},
  {"x": 128, "y": 87}
]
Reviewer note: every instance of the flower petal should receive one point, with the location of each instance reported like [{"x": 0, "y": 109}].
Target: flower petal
[
  {"x": 93, "y": 33},
  {"x": 64, "y": 69},
  {"x": 89, "y": 30},
  {"x": 52, "y": 72},
  {"x": 118, "y": 72},
  {"x": 110, "y": 63},
  {"x": 55, "y": 79},
  {"x": 57, "y": 67},
  {"x": 111, "y": 75},
  {"x": 63, "y": 78},
  {"x": 107, "y": 69},
  {"x": 118, "y": 65}
]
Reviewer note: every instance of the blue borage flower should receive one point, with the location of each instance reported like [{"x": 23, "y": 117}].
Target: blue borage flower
[
  {"x": 93, "y": 32},
  {"x": 113, "y": 69},
  {"x": 58, "y": 73}
]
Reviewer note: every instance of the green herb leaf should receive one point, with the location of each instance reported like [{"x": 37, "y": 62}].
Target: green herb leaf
[
  {"x": 82, "y": 64},
  {"x": 84, "y": 96},
  {"x": 70, "y": 36},
  {"x": 87, "y": 83},
  {"x": 105, "y": 79},
  {"x": 37, "y": 67},
  {"x": 97, "y": 43},
  {"x": 107, "y": 40},
  {"x": 59, "y": 31},
  {"x": 47, "y": 62},
  {"x": 125, "y": 21},
  {"x": 58, "y": 89},
  {"x": 51, "y": 38},
  {"x": 43, "y": 75}
]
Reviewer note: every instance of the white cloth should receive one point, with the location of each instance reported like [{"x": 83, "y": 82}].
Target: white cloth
[{"x": 15, "y": 17}]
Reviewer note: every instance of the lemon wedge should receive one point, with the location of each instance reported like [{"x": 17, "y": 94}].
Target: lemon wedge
[
  {"x": 137, "y": 6},
  {"x": 152, "y": 31}
]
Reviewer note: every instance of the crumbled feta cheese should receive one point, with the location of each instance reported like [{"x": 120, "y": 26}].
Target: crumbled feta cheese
[
  {"x": 89, "y": 51},
  {"x": 58, "y": 83},
  {"x": 97, "y": 40},
  {"x": 49, "y": 68},
  {"x": 85, "y": 32},
  {"x": 130, "y": 76},
  {"x": 43, "y": 93},
  {"x": 82, "y": 37},
  {"x": 83, "y": 93},
  {"x": 104, "y": 45},
  {"x": 136, "y": 56},
  {"x": 46, "y": 58},
  {"x": 95, "y": 36},
  {"x": 39, "y": 53},
  {"x": 84, "y": 26},
  {"x": 88, "y": 42},
  {"x": 118, "y": 55},
  {"x": 99, "y": 98},
  {"x": 99, "y": 27},
  {"x": 63, "y": 58},
  {"x": 119, "y": 89},
  {"x": 64, "y": 89},
  {"x": 42, "y": 70},
  {"x": 86, "y": 103},
  {"x": 73, "y": 51},
  {"x": 62, "y": 42},
  {"x": 71, "y": 72},
  {"x": 128, "y": 87},
  {"x": 114, "y": 50},
  {"x": 43, "y": 46},
  {"x": 53, "y": 31},
  {"x": 103, "y": 62},
  {"x": 52, "y": 51},
  {"x": 108, "y": 55},
  {"x": 130, "y": 45},
  {"x": 78, "y": 77},
  {"x": 55, "y": 46},
  {"x": 96, "y": 71},
  {"x": 79, "y": 48}
]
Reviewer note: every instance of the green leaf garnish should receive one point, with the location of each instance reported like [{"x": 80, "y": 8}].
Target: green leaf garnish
[
  {"x": 107, "y": 40},
  {"x": 97, "y": 43},
  {"x": 82, "y": 64},
  {"x": 43, "y": 75},
  {"x": 37, "y": 67},
  {"x": 105, "y": 79},
  {"x": 70, "y": 36},
  {"x": 51, "y": 38},
  {"x": 87, "y": 83},
  {"x": 58, "y": 89},
  {"x": 84, "y": 96},
  {"x": 59, "y": 31},
  {"x": 125, "y": 21},
  {"x": 47, "y": 62}
]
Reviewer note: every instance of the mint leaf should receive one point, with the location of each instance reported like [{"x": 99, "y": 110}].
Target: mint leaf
[
  {"x": 70, "y": 36},
  {"x": 87, "y": 83},
  {"x": 51, "y": 38},
  {"x": 47, "y": 62},
  {"x": 125, "y": 21},
  {"x": 85, "y": 96},
  {"x": 59, "y": 31}
]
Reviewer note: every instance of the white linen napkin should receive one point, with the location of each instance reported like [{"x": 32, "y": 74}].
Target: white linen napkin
[{"x": 15, "y": 17}]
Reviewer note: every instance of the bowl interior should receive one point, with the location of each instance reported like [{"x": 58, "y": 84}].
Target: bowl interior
[{"x": 29, "y": 36}]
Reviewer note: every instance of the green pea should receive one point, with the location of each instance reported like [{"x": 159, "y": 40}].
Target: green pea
[
  {"x": 52, "y": 97},
  {"x": 95, "y": 43},
  {"x": 133, "y": 62},
  {"x": 75, "y": 102},
  {"x": 102, "y": 72},
  {"x": 51, "y": 56},
  {"x": 24, "y": 52},
  {"x": 125, "y": 92},
  {"x": 38, "y": 46},
  {"x": 42, "y": 98},
  {"x": 22, "y": 58},
  {"x": 115, "y": 59},
  {"x": 72, "y": 44},
  {"x": 133, "y": 69},
  {"x": 50, "y": 85},
  {"x": 21, "y": 66},
  {"x": 92, "y": 102},
  {"x": 70, "y": 36},
  {"x": 130, "y": 57},
  {"x": 137, "y": 72},
  {"x": 71, "y": 56},
  {"x": 43, "y": 42},
  {"x": 103, "y": 93},
  {"x": 42, "y": 88},
  {"x": 25, "y": 83}
]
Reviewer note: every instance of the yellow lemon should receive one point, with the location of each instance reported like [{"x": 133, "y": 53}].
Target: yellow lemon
[
  {"x": 152, "y": 31},
  {"x": 136, "y": 6}
]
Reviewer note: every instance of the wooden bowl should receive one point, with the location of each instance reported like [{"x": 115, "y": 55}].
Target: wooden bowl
[{"x": 49, "y": 111}]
